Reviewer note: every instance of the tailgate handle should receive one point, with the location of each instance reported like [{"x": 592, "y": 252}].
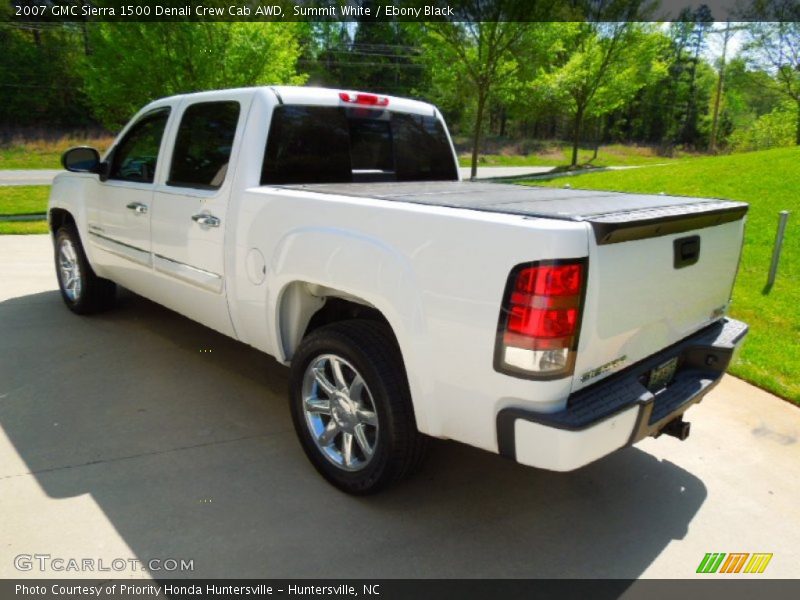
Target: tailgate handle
[{"x": 687, "y": 251}]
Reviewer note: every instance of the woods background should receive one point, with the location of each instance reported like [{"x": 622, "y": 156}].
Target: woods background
[{"x": 505, "y": 87}]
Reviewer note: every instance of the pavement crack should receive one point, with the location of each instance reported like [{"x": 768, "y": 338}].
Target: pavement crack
[{"x": 145, "y": 454}]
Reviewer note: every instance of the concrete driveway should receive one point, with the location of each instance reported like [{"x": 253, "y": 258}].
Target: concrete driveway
[
  {"x": 492, "y": 172},
  {"x": 139, "y": 434},
  {"x": 27, "y": 176}
]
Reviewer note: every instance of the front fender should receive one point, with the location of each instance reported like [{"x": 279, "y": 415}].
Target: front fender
[{"x": 67, "y": 193}]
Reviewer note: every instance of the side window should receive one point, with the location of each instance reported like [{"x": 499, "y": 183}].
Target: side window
[
  {"x": 203, "y": 145},
  {"x": 136, "y": 156}
]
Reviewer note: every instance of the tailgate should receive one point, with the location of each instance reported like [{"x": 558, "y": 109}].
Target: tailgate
[{"x": 655, "y": 277}]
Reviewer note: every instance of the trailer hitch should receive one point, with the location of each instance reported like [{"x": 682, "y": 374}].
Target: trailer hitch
[{"x": 677, "y": 428}]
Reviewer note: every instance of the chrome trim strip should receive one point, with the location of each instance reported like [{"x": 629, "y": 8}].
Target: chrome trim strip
[
  {"x": 132, "y": 253},
  {"x": 194, "y": 275}
]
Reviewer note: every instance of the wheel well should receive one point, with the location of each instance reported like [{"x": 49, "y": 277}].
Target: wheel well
[
  {"x": 60, "y": 217},
  {"x": 339, "y": 309},
  {"x": 305, "y": 307}
]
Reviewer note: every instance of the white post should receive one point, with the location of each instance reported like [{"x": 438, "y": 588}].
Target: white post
[{"x": 783, "y": 217}]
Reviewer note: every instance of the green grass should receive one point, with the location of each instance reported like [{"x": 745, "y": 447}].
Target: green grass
[
  {"x": 20, "y": 158},
  {"x": 20, "y": 200},
  {"x": 23, "y": 199},
  {"x": 560, "y": 154},
  {"x": 22, "y": 227},
  {"x": 770, "y": 182},
  {"x": 45, "y": 154}
]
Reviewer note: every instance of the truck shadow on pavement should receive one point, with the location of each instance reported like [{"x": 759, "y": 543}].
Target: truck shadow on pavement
[{"x": 183, "y": 438}]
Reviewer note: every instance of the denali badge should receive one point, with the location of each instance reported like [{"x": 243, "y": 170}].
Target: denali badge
[{"x": 603, "y": 368}]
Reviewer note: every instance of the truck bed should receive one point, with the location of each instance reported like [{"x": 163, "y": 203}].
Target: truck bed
[{"x": 614, "y": 216}]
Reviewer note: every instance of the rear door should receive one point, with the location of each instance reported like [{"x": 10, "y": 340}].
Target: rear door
[{"x": 190, "y": 210}]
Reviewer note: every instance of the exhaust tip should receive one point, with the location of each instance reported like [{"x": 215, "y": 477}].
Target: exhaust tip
[{"x": 677, "y": 428}]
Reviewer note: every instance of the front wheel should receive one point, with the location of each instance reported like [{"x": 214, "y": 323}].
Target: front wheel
[
  {"x": 351, "y": 406},
  {"x": 81, "y": 289}
]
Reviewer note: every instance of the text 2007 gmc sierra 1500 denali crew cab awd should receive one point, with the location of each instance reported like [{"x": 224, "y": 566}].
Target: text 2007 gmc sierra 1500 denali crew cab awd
[{"x": 330, "y": 229}]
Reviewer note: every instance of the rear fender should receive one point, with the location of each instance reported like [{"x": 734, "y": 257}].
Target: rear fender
[{"x": 310, "y": 263}]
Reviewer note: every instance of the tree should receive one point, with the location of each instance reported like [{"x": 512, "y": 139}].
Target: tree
[
  {"x": 133, "y": 63},
  {"x": 607, "y": 64},
  {"x": 481, "y": 48},
  {"x": 749, "y": 94},
  {"x": 772, "y": 130},
  {"x": 322, "y": 51},
  {"x": 40, "y": 75},
  {"x": 382, "y": 56},
  {"x": 727, "y": 33},
  {"x": 699, "y": 24},
  {"x": 775, "y": 47}
]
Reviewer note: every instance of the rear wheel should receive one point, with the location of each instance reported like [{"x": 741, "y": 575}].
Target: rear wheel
[
  {"x": 81, "y": 289},
  {"x": 351, "y": 406}
]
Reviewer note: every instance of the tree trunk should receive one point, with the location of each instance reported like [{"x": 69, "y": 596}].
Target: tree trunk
[
  {"x": 712, "y": 146},
  {"x": 797, "y": 134},
  {"x": 597, "y": 136},
  {"x": 476, "y": 138},
  {"x": 85, "y": 33},
  {"x": 577, "y": 136}
]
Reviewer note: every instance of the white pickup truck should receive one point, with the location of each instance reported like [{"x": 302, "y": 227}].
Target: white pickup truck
[{"x": 330, "y": 229}]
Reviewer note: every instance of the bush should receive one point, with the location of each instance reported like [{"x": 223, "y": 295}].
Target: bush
[{"x": 773, "y": 130}]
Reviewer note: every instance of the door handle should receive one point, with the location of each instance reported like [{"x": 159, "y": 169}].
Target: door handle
[
  {"x": 138, "y": 208},
  {"x": 686, "y": 251},
  {"x": 206, "y": 220}
]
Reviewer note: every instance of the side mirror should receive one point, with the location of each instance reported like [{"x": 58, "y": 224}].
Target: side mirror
[{"x": 81, "y": 159}]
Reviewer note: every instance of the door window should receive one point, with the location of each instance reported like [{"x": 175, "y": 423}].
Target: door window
[
  {"x": 136, "y": 156},
  {"x": 203, "y": 145}
]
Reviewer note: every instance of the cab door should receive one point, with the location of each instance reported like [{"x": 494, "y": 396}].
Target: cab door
[
  {"x": 190, "y": 210},
  {"x": 119, "y": 218}
]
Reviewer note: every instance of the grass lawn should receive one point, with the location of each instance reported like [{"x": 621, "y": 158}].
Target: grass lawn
[
  {"x": 23, "y": 199},
  {"x": 20, "y": 200},
  {"x": 45, "y": 154},
  {"x": 22, "y": 227},
  {"x": 556, "y": 155},
  {"x": 770, "y": 182}
]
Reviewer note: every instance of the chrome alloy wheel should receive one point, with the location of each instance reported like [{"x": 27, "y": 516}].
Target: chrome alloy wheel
[
  {"x": 69, "y": 269},
  {"x": 340, "y": 412}
]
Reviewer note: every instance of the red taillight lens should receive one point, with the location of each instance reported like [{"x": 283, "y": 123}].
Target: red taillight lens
[
  {"x": 550, "y": 280},
  {"x": 363, "y": 99},
  {"x": 539, "y": 321},
  {"x": 542, "y": 323}
]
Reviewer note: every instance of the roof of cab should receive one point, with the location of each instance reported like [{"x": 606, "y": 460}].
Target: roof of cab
[
  {"x": 315, "y": 96},
  {"x": 330, "y": 97}
]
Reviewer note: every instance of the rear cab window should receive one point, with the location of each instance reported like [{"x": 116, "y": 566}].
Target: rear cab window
[{"x": 330, "y": 144}]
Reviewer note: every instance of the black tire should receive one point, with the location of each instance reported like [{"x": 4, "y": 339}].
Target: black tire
[
  {"x": 93, "y": 294},
  {"x": 371, "y": 351}
]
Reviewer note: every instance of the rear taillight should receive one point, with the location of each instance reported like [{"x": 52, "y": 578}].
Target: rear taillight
[
  {"x": 363, "y": 99},
  {"x": 540, "y": 319}
]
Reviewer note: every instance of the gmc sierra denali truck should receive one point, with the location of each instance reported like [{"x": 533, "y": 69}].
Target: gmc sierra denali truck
[{"x": 330, "y": 229}]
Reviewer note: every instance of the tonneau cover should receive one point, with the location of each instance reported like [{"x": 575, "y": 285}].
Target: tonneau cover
[{"x": 614, "y": 216}]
